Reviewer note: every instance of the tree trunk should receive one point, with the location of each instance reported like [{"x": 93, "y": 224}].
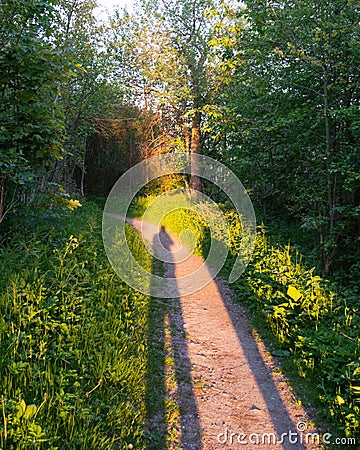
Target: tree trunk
[
  {"x": 195, "y": 147},
  {"x": 2, "y": 199},
  {"x": 186, "y": 135},
  {"x": 83, "y": 171}
]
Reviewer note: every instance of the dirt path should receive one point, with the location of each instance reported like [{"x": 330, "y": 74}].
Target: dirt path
[{"x": 233, "y": 398}]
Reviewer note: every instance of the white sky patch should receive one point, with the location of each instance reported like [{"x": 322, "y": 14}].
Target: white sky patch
[{"x": 106, "y": 7}]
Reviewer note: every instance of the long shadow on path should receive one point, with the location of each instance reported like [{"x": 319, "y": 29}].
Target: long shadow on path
[
  {"x": 238, "y": 400},
  {"x": 208, "y": 377},
  {"x": 283, "y": 422},
  {"x": 172, "y": 415}
]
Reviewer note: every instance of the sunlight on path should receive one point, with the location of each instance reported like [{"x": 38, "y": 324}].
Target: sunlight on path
[{"x": 238, "y": 401}]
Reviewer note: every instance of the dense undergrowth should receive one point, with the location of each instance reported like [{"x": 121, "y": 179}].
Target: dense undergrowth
[
  {"x": 72, "y": 338},
  {"x": 314, "y": 324},
  {"x": 315, "y": 327}
]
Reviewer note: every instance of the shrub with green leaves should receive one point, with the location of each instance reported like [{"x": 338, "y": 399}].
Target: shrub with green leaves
[{"x": 314, "y": 325}]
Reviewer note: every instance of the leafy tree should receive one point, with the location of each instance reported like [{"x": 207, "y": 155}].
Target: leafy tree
[
  {"x": 88, "y": 94},
  {"x": 294, "y": 93},
  {"x": 31, "y": 126},
  {"x": 54, "y": 82},
  {"x": 173, "y": 70}
]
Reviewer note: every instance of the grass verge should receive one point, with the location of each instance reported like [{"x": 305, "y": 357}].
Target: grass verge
[
  {"x": 73, "y": 338},
  {"x": 312, "y": 329}
]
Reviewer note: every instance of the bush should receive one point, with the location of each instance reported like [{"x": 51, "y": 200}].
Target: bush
[{"x": 314, "y": 325}]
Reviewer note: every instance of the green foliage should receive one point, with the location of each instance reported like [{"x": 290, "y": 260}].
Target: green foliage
[
  {"x": 73, "y": 338},
  {"x": 314, "y": 325},
  {"x": 31, "y": 122},
  {"x": 290, "y": 130},
  {"x": 163, "y": 52},
  {"x": 54, "y": 84},
  {"x": 30, "y": 70},
  {"x": 87, "y": 96}
]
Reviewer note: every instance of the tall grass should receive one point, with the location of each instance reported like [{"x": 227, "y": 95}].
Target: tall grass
[{"x": 72, "y": 339}]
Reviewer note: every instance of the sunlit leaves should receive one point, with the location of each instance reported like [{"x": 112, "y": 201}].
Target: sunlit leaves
[
  {"x": 31, "y": 130},
  {"x": 293, "y": 100}
]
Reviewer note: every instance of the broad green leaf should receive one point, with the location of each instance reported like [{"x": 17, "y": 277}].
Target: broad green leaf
[
  {"x": 293, "y": 293},
  {"x": 30, "y": 411}
]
